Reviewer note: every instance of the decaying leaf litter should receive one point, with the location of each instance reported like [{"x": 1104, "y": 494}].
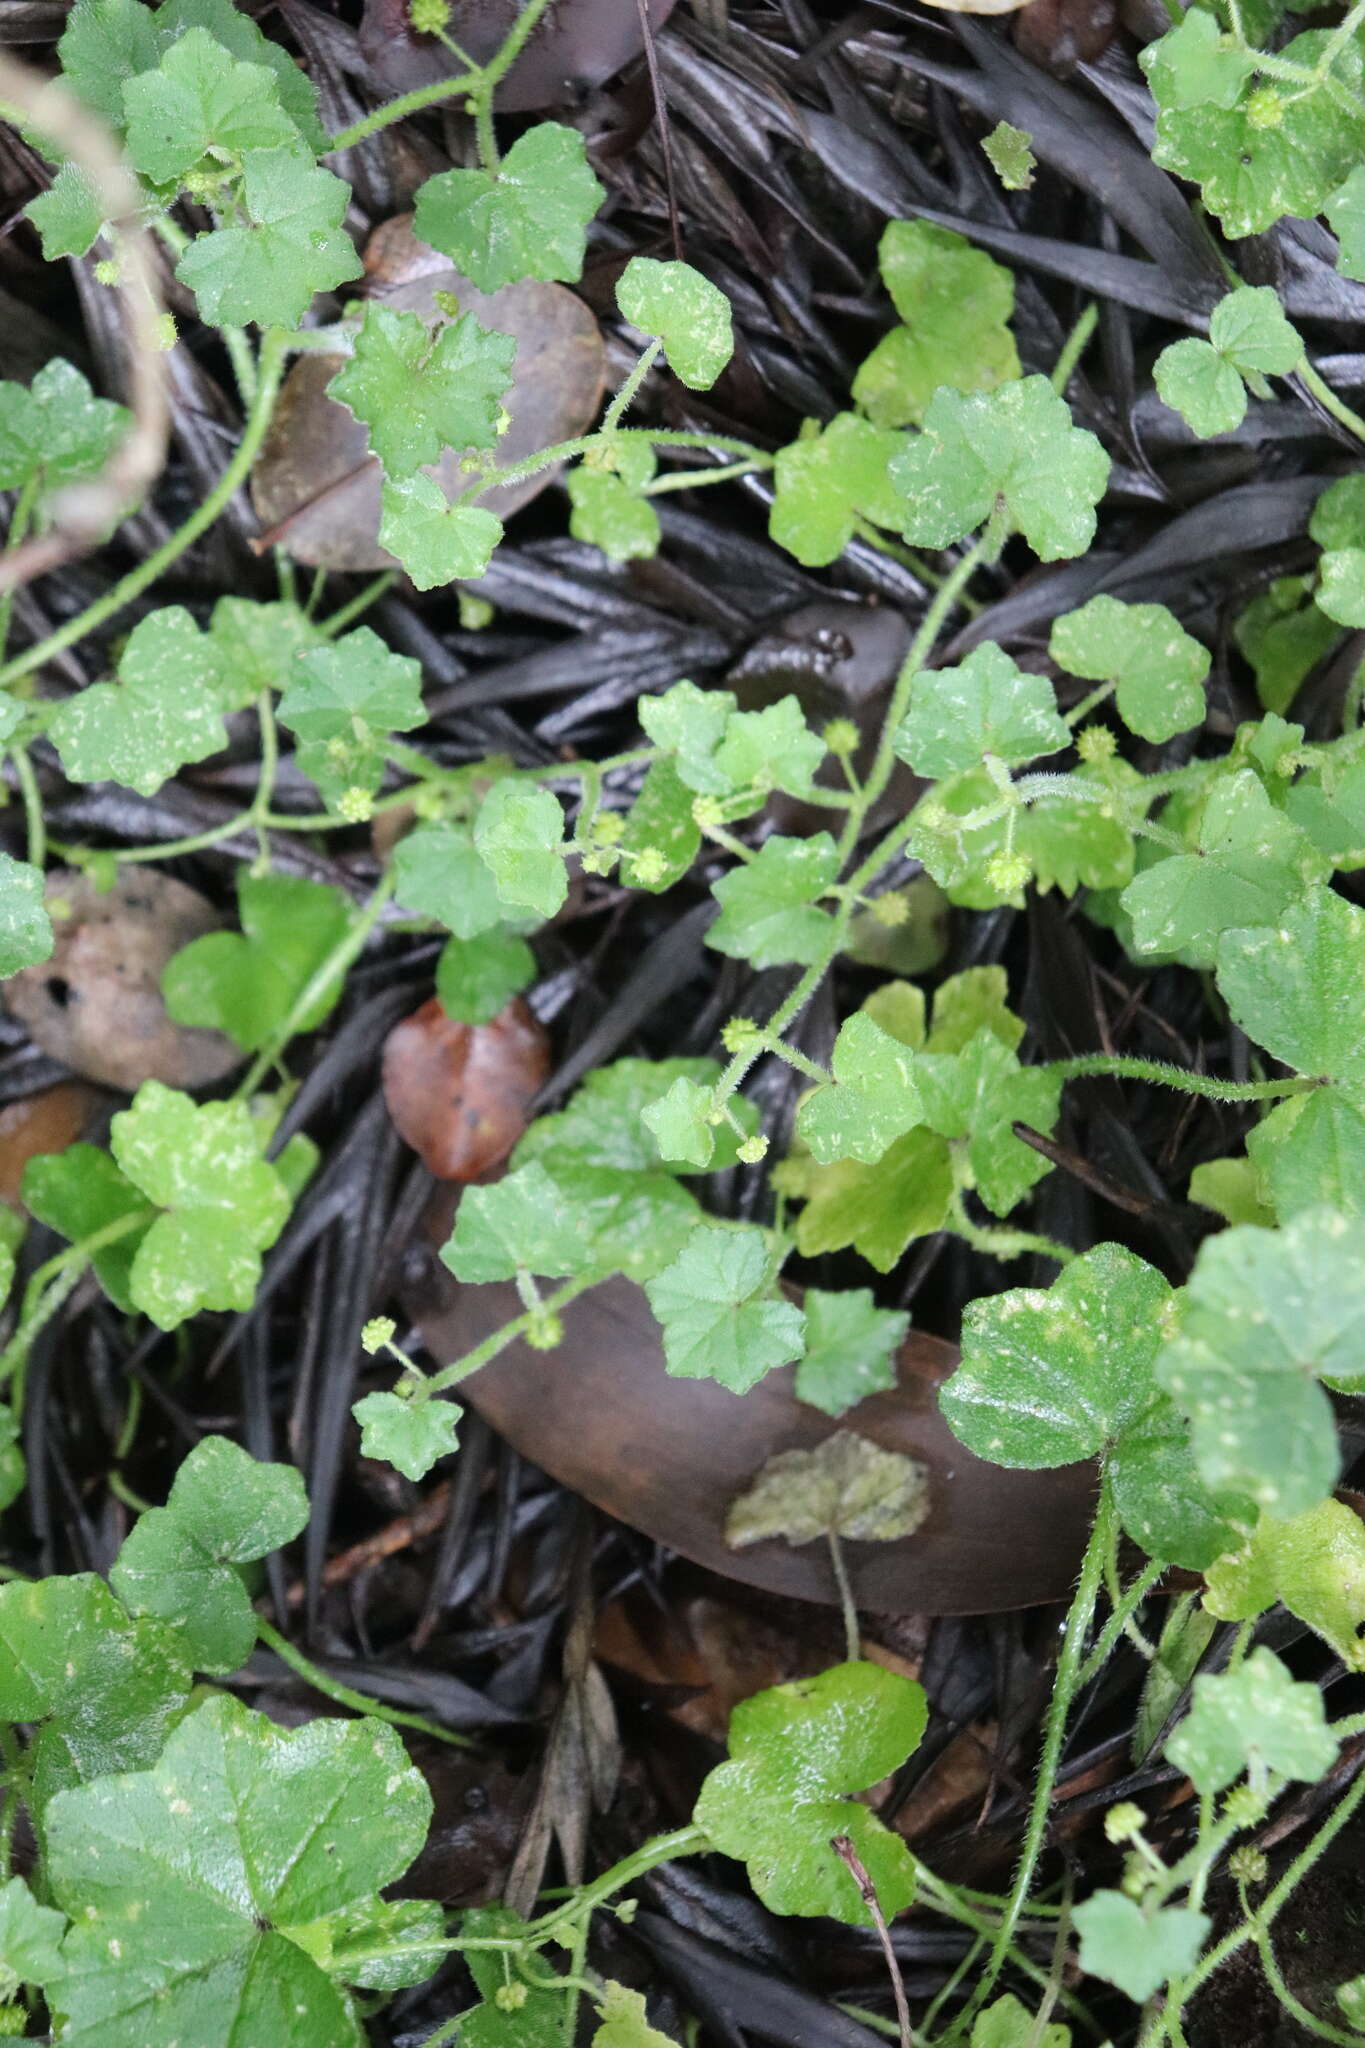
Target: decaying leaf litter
[{"x": 794, "y": 134}]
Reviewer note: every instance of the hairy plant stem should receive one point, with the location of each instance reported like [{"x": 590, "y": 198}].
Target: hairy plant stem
[
  {"x": 1120, "y": 1067},
  {"x": 155, "y": 565},
  {"x": 347, "y": 1696},
  {"x": 583, "y": 444},
  {"x": 506, "y": 1334},
  {"x": 1064, "y": 1689}
]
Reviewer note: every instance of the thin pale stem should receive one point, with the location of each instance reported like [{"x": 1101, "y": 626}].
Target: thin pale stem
[{"x": 346, "y": 1695}]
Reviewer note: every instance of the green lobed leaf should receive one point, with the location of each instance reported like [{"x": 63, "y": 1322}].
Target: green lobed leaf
[
  {"x": 1298, "y": 987},
  {"x": 625, "y": 2023},
  {"x": 1311, "y": 1149},
  {"x": 634, "y": 1223},
  {"x": 108, "y": 42},
  {"x": 1283, "y": 635},
  {"x": 55, "y": 431},
  {"x": 345, "y": 699},
  {"x": 435, "y": 541},
  {"x": 979, "y": 1095},
  {"x": 477, "y": 978},
  {"x": 419, "y": 392},
  {"x": 222, "y": 1204},
  {"x": 796, "y": 1752},
  {"x": 872, "y": 1100},
  {"x": 530, "y": 2017},
  {"x": 1250, "y": 868},
  {"x": 81, "y": 1191},
  {"x": 69, "y": 216},
  {"x": 1009, "y": 153},
  {"x": 523, "y": 1223},
  {"x": 246, "y": 983},
  {"x": 987, "y": 705},
  {"x": 851, "y": 1347},
  {"x": 201, "y": 101},
  {"x": 165, "y": 710},
  {"x": 1138, "y": 1948},
  {"x": 1249, "y": 328},
  {"x": 689, "y": 724},
  {"x": 828, "y": 479},
  {"x": 519, "y": 834},
  {"x": 1313, "y": 1564},
  {"x": 1049, "y": 1377},
  {"x": 25, "y": 928},
  {"x": 661, "y": 838},
  {"x": 30, "y": 1937},
  {"x": 878, "y": 1210},
  {"x": 527, "y": 219},
  {"x": 719, "y": 1318},
  {"x": 609, "y": 515},
  {"x": 188, "y": 1883},
  {"x": 1345, "y": 210},
  {"x": 606, "y": 1120},
  {"x": 1253, "y": 1716},
  {"x": 768, "y": 912},
  {"x": 257, "y": 645},
  {"x": 1232, "y": 1189},
  {"x": 439, "y": 874},
  {"x": 1202, "y": 386},
  {"x": 1248, "y": 337},
  {"x": 104, "y": 1686},
  {"x": 955, "y": 302},
  {"x": 1197, "y": 65},
  {"x": 180, "y": 1563},
  {"x": 105, "y": 43},
  {"x": 1017, "y": 444},
  {"x": 1257, "y": 152},
  {"x": 1157, "y": 667},
  {"x": 1008, "y": 2024},
  {"x": 269, "y": 268},
  {"x": 689, "y": 314},
  {"x": 411, "y": 1435},
  {"x": 1268, "y": 1318},
  {"x": 769, "y": 749}
]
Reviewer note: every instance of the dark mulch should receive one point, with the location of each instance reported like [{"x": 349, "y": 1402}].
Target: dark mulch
[{"x": 796, "y": 131}]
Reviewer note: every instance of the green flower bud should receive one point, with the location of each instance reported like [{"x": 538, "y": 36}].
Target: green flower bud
[
  {"x": 1124, "y": 1821},
  {"x": 1096, "y": 743}
]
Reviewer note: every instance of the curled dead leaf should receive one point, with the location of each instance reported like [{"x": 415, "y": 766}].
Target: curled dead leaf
[
  {"x": 316, "y": 487},
  {"x": 459, "y": 1093},
  {"x": 96, "y": 1004}
]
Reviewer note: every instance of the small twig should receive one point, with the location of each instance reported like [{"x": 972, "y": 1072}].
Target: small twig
[
  {"x": 82, "y": 513},
  {"x": 857, "y": 1870}
]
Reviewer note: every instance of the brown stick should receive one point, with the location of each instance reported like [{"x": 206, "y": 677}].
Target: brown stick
[{"x": 857, "y": 1870}]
